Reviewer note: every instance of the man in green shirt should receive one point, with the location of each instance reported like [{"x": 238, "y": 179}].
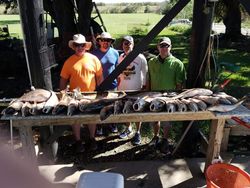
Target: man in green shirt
[{"x": 166, "y": 72}]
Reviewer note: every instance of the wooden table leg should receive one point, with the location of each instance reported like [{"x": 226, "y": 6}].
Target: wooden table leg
[
  {"x": 215, "y": 137},
  {"x": 28, "y": 144}
]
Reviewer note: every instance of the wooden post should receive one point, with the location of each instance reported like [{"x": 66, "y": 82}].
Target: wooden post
[
  {"x": 28, "y": 144},
  {"x": 35, "y": 42},
  {"x": 199, "y": 54},
  {"x": 215, "y": 137},
  {"x": 225, "y": 139}
]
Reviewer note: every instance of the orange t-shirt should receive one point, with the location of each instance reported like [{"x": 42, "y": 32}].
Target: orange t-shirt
[{"x": 82, "y": 71}]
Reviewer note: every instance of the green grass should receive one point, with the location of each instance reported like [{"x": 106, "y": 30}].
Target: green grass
[
  {"x": 120, "y": 24},
  {"x": 241, "y": 59}
]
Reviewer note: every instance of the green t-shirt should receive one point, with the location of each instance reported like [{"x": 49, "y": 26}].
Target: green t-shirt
[{"x": 165, "y": 75}]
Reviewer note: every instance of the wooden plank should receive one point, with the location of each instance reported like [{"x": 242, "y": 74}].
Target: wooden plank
[
  {"x": 225, "y": 139},
  {"x": 239, "y": 130},
  {"x": 215, "y": 137},
  {"x": 95, "y": 118}
]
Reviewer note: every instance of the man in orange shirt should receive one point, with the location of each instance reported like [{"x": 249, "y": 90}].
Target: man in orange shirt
[{"x": 81, "y": 70}]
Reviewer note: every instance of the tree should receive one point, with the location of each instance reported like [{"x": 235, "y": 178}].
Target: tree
[
  {"x": 230, "y": 13},
  {"x": 63, "y": 13}
]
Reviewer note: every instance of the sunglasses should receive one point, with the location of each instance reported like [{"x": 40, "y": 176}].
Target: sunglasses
[
  {"x": 79, "y": 45},
  {"x": 106, "y": 40},
  {"x": 164, "y": 46},
  {"x": 126, "y": 43}
]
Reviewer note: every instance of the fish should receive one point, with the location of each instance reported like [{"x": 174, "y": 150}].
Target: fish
[
  {"x": 50, "y": 103},
  {"x": 194, "y": 92},
  {"x": 82, "y": 103},
  {"x": 142, "y": 104},
  {"x": 201, "y": 105},
  {"x": 37, "y": 95},
  {"x": 181, "y": 107},
  {"x": 144, "y": 94},
  {"x": 106, "y": 111},
  {"x": 190, "y": 104},
  {"x": 226, "y": 108},
  {"x": 102, "y": 99},
  {"x": 118, "y": 107},
  {"x": 94, "y": 106},
  {"x": 24, "y": 103},
  {"x": 170, "y": 107},
  {"x": 224, "y": 100},
  {"x": 25, "y": 109},
  {"x": 13, "y": 108},
  {"x": 128, "y": 107},
  {"x": 72, "y": 107},
  {"x": 143, "y": 101},
  {"x": 63, "y": 103},
  {"x": 157, "y": 105},
  {"x": 230, "y": 98},
  {"x": 211, "y": 100},
  {"x": 36, "y": 108}
]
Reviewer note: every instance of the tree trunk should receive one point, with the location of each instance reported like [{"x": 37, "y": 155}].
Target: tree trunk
[
  {"x": 232, "y": 19},
  {"x": 84, "y": 11},
  {"x": 63, "y": 13}
]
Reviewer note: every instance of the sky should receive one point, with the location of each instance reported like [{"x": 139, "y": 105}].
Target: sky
[{"x": 126, "y": 1}]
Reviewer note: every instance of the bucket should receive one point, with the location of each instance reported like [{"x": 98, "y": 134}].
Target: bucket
[{"x": 222, "y": 175}]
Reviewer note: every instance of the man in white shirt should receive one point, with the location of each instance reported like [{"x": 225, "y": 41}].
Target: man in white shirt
[{"x": 134, "y": 77}]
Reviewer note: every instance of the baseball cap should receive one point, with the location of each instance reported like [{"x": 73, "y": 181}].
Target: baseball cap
[
  {"x": 128, "y": 38},
  {"x": 165, "y": 40}
]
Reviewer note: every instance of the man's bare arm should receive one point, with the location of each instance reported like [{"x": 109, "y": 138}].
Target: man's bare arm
[{"x": 99, "y": 80}]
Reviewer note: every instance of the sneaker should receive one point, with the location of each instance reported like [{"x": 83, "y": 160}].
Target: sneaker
[
  {"x": 79, "y": 147},
  {"x": 113, "y": 128},
  {"x": 125, "y": 134},
  {"x": 136, "y": 139},
  {"x": 164, "y": 148},
  {"x": 154, "y": 142},
  {"x": 99, "y": 131},
  {"x": 93, "y": 144}
]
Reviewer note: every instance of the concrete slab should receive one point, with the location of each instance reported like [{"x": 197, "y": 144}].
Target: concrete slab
[
  {"x": 178, "y": 173},
  {"x": 136, "y": 173}
]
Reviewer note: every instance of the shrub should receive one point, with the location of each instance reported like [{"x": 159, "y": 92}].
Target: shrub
[
  {"x": 181, "y": 28},
  {"x": 130, "y": 9},
  {"x": 138, "y": 31}
]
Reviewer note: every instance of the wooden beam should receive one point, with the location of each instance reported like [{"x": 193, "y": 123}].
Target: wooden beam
[
  {"x": 121, "y": 118},
  {"x": 35, "y": 43},
  {"x": 215, "y": 138},
  {"x": 28, "y": 144},
  {"x": 200, "y": 43}
]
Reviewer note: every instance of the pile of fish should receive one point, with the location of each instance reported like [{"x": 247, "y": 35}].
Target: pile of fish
[{"x": 40, "y": 101}]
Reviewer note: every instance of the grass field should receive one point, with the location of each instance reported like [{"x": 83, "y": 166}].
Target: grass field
[{"x": 116, "y": 24}]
